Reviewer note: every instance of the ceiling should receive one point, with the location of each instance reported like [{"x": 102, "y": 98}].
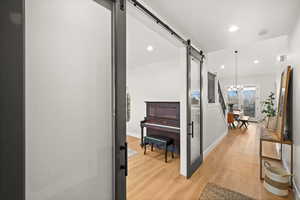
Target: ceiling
[
  {"x": 266, "y": 52},
  {"x": 206, "y": 23},
  {"x": 143, "y": 32}
]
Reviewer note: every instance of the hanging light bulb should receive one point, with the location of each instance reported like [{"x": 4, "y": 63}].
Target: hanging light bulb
[
  {"x": 235, "y": 63},
  {"x": 238, "y": 87}
]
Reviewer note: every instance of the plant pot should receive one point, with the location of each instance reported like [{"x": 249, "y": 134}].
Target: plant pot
[{"x": 271, "y": 122}]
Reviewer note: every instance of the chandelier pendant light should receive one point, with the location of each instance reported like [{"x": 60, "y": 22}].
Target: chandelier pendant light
[{"x": 236, "y": 86}]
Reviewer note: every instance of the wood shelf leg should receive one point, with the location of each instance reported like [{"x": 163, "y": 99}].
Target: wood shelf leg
[
  {"x": 260, "y": 159},
  {"x": 292, "y": 164},
  {"x": 281, "y": 151}
]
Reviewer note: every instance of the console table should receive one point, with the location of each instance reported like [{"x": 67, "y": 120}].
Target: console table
[{"x": 267, "y": 135}]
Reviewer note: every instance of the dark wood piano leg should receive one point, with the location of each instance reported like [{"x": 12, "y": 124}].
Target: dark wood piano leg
[
  {"x": 173, "y": 151},
  {"x": 142, "y": 136},
  {"x": 145, "y": 149},
  {"x": 166, "y": 153},
  {"x": 151, "y": 147}
]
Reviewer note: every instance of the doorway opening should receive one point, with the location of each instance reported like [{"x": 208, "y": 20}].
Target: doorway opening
[
  {"x": 164, "y": 139},
  {"x": 155, "y": 61},
  {"x": 246, "y": 100}
]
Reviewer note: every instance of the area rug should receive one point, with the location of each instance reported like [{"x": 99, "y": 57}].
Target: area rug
[
  {"x": 215, "y": 192},
  {"x": 131, "y": 153}
]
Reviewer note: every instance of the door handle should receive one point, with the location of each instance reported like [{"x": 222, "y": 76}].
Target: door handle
[
  {"x": 122, "y": 5},
  {"x": 192, "y": 125},
  {"x": 125, "y": 166}
]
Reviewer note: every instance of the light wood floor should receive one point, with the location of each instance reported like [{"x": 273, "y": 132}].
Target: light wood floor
[{"x": 233, "y": 164}]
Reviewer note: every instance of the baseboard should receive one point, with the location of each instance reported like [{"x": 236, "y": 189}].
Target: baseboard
[
  {"x": 296, "y": 188},
  {"x": 213, "y": 145},
  {"x": 133, "y": 135}
]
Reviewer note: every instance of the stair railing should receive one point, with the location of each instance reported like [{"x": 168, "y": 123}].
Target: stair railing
[{"x": 221, "y": 99}]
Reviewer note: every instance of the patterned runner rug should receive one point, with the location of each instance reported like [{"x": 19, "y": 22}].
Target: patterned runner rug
[{"x": 215, "y": 192}]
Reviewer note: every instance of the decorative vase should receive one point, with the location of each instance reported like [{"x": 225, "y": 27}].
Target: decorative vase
[{"x": 271, "y": 123}]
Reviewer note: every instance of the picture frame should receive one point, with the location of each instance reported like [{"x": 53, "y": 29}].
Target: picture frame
[{"x": 282, "y": 109}]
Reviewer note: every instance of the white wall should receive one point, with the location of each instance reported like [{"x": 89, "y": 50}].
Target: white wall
[
  {"x": 215, "y": 126},
  {"x": 294, "y": 61},
  {"x": 154, "y": 75},
  {"x": 68, "y": 100},
  {"x": 156, "y": 81},
  {"x": 265, "y": 85}
]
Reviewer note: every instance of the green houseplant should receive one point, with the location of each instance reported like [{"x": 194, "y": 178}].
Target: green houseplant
[{"x": 269, "y": 108}]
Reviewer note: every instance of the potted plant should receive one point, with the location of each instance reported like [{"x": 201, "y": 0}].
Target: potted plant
[
  {"x": 230, "y": 106},
  {"x": 269, "y": 110}
]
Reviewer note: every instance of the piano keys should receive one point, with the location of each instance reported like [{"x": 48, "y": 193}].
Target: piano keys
[{"x": 162, "y": 119}]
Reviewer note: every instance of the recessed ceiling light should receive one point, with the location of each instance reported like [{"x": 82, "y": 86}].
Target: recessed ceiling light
[
  {"x": 222, "y": 66},
  {"x": 281, "y": 58},
  {"x": 150, "y": 48},
  {"x": 278, "y": 58},
  {"x": 256, "y": 61},
  {"x": 233, "y": 28}
]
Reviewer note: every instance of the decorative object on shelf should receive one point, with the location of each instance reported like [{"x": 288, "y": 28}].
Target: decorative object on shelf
[
  {"x": 269, "y": 111},
  {"x": 276, "y": 180}
]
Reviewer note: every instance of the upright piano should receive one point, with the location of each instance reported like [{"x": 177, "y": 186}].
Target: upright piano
[{"x": 162, "y": 119}]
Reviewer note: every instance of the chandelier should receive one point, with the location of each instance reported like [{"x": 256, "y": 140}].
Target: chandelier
[{"x": 236, "y": 87}]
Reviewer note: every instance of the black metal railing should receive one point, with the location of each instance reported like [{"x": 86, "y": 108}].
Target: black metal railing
[{"x": 221, "y": 98}]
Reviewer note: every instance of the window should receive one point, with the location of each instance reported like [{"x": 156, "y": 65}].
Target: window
[
  {"x": 249, "y": 101},
  {"x": 233, "y": 98},
  {"x": 243, "y": 99},
  {"x": 211, "y": 87}
]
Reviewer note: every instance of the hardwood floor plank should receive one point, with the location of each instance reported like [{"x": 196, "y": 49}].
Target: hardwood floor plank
[{"x": 233, "y": 164}]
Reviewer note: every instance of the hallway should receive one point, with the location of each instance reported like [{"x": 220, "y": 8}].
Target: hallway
[{"x": 233, "y": 164}]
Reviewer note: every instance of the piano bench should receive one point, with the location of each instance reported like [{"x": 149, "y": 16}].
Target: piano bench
[{"x": 160, "y": 142}]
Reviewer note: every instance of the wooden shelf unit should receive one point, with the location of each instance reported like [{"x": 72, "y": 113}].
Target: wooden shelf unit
[{"x": 267, "y": 135}]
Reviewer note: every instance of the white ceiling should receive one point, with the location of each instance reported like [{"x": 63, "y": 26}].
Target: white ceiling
[
  {"x": 142, "y": 32},
  {"x": 206, "y": 22},
  {"x": 266, "y": 52}
]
